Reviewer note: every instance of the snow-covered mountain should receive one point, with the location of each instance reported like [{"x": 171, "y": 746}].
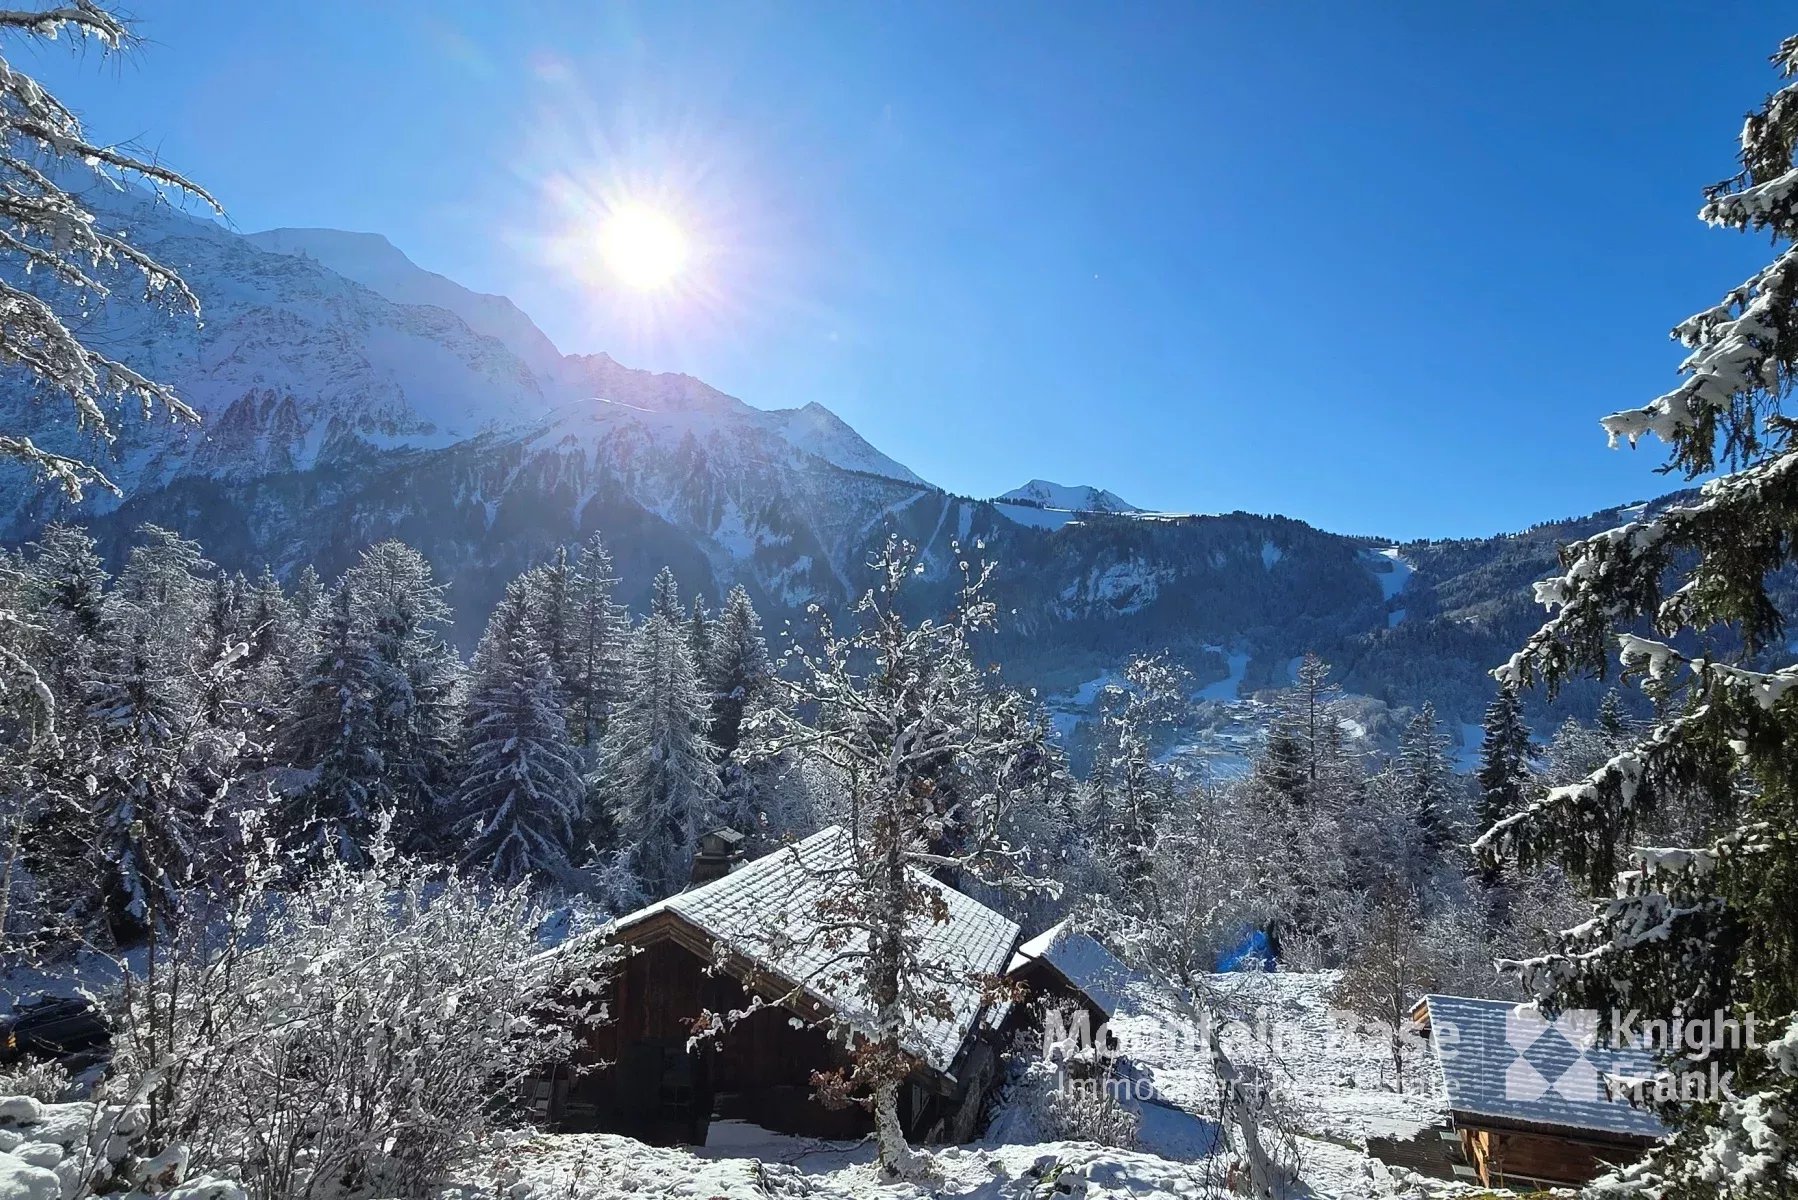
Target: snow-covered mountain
[
  {"x": 378, "y": 265},
  {"x": 1078, "y": 498},
  {"x": 349, "y": 395}
]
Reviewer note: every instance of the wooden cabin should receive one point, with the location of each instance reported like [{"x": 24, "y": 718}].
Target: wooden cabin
[
  {"x": 1526, "y": 1096},
  {"x": 1069, "y": 971},
  {"x": 640, "y": 1073}
]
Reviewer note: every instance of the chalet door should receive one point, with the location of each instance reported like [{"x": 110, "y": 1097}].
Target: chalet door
[{"x": 665, "y": 1093}]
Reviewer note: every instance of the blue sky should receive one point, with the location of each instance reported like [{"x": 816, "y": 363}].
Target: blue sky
[{"x": 1379, "y": 267}]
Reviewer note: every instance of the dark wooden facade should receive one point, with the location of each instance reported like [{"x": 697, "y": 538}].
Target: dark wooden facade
[
  {"x": 635, "y": 1073},
  {"x": 1048, "y": 990},
  {"x": 1518, "y": 1156}
]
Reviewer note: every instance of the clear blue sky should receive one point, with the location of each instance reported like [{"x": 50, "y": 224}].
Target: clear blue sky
[{"x": 1379, "y": 267}]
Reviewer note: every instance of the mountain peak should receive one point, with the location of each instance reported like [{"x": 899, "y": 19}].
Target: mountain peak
[
  {"x": 383, "y": 268},
  {"x": 817, "y": 430},
  {"x": 1074, "y": 498}
]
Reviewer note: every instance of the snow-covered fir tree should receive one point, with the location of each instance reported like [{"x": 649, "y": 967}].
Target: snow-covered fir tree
[
  {"x": 1426, "y": 778},
  {"x": 739, "y": 669},
  {"x": 664, "y": 598},
  {"x": 308, "y": 595},
  {"x": 157, "y": 760},
  {"x": 1130, "y": 792},
  {"x": 593, "y": 676},
  {"x": 658, "y": 777},
  {"x": 375, "y": 719},
  {"x": 1504, "y": 776},
  {"x": 1697, "y": 920},
  {"x": 549, "y": 596},
  {"x": 64, "y": 592},
  {"x": 521, "y": 792},
  {"x": 279, "y": 646},
  {"x": 699, "y": 637}
]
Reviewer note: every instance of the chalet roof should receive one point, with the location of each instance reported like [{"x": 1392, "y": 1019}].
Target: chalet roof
[
  {"x": 1078, "y": 958},
  {"x": 1509, "y": 1063},
  {"x": 768, "y": 912}
]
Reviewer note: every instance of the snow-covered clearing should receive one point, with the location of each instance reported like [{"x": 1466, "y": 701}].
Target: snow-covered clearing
[
  {"x": 1392, "y": 571},
  {"x": 1230, "y": 686}
]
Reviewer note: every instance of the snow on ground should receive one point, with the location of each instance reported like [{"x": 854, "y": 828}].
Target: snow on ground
[
  {"x": 606, "y": 1167},
  {"x": 1035, "y": 518},
  {"x": 1230, "y": 686},
  {"x": 68, "y": 1151},
  {"x": 1392, "y": 571},
  {"x": 1333, "y": 1085},
  {"x": 1333, "y": 1082}
]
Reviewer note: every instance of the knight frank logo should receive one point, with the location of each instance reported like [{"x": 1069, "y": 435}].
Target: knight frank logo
[
  {"x": 1550, "y": 1055},
  {"x": 1528, "y": 1034}
]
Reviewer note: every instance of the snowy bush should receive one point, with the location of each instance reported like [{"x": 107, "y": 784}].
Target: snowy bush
[
  {"x": 347, "y": 1039},
  {"x": 1070, "y": 1098},
  {"x": 46, "y": 1081}
]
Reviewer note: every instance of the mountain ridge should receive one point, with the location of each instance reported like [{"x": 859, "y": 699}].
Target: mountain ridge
[{"x": 336, "y": 415}]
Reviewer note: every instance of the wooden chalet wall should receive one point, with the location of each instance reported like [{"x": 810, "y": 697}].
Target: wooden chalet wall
[
  {"x": 1507, "y": 1157},
  {"x": 654, "y": 1089},
  {"x": 1050, "y": 990}
]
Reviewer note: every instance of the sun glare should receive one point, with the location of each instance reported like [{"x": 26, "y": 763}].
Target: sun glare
[{"x": 642, "y": 247}]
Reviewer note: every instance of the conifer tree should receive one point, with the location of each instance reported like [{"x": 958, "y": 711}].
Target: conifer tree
[
  {"x": 308, "y": 595},
  {"x": 1504, "y": 775},
  {"x": 1132, "y": 791},
  {"x": 664, "y": 600},
  {"x": 64, "y": 591},
  {"x": 278, "y": 646},
  {"x": 699, "y": 638},
  {"x": 1612, "y": 722},
  {"x": 1698, "y": 921},
  {"x": 1311, "y": 702},
  {"x": 657, "y": 775},
  {"x": 166, "y": 574},
  {"x": 46, "y": 231},
  {"x": 521, "y": 791},
  {"x": 155, "y": 768},
  {"x": 593, "y": 675},
  {"x": 550, "y": 599},
  {"x": 738, "y": 670},
  {"x": 223, "y": 637},
  {"x": 1426, "y": 778},
  {"x": 376, "y": 715}
]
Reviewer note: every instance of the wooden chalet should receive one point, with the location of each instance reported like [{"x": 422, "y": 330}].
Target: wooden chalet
[
  {"x": 639, "y": 1073},
  {"x": 1527, "y": 1102},
  {"x": 1066, "y": 970}
]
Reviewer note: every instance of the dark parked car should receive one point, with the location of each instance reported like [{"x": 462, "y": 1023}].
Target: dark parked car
[{"x": 68, "y": 1029}]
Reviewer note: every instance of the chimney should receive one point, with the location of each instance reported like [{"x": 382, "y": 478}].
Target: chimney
[{"x": 719, "y": 851}]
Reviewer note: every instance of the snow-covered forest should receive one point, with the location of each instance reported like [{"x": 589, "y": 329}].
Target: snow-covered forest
[{"x": 305, "y": 896}]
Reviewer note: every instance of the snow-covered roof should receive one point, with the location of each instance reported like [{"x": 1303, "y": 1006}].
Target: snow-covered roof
[
  {"x": 768, "y": 910},
  {"x": 1081, "y": 960},
  {"x": 1509, "y": 1062}
]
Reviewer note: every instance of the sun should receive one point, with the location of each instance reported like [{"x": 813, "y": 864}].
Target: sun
[{"x": 642, "y": 246}]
